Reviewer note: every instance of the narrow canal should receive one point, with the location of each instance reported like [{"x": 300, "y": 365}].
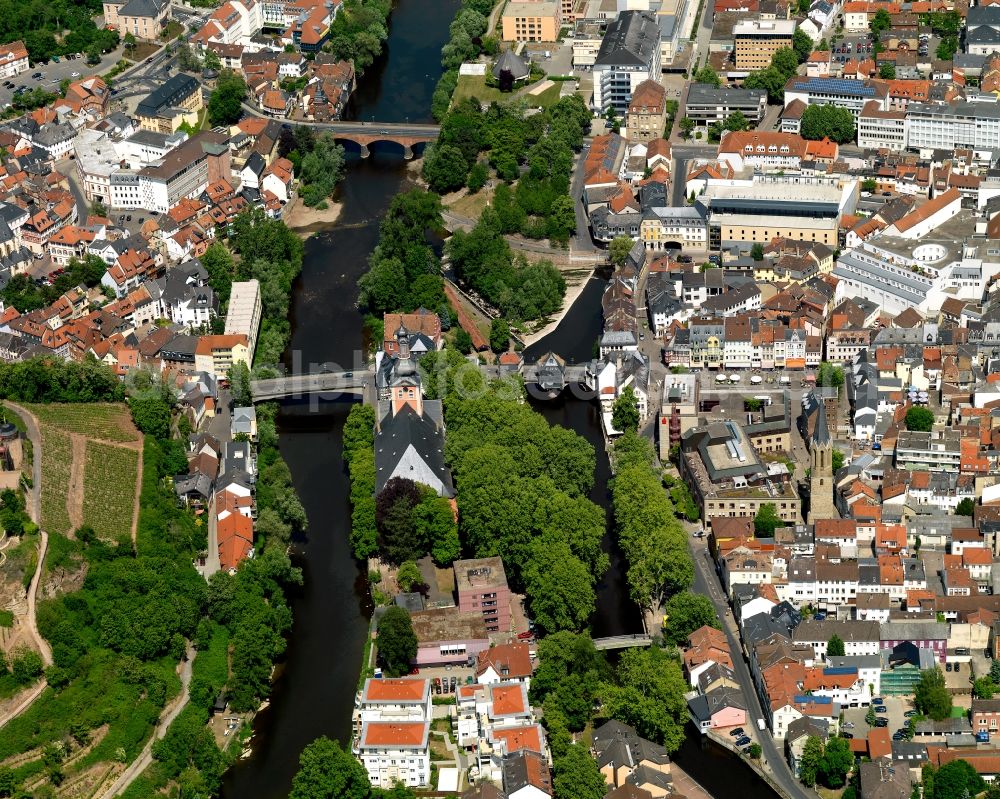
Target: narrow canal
[{"x": 314, "y": 688}]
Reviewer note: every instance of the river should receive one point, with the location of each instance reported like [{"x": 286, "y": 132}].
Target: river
[{"x": 313, "y": 692}]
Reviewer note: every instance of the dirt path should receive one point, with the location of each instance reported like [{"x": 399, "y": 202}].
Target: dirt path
[
  {"x": 43, "y": 646},
  {"x": 171, "y": 712},
  {"x": 138, "y": 492},
  {"x": 74, "y": 497}
]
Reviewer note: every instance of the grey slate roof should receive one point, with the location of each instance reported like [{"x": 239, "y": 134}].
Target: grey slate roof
[
  {"x": 629, "y": 40},
  {"x": 169, "y": 93},
  {"x": 412, "y": 446},
  {"x": 512, "y": 62}
]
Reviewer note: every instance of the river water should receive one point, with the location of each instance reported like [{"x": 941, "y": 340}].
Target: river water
[{"x": 314, "y": 688}]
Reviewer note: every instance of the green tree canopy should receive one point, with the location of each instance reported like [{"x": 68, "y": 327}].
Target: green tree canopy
[
  {"x": 226, "y": 103},
  {"x": 625, "y": 411},
  {"x": 397, "y": 643},
  {"x": 619, "y": 249},
  {"x": 828, "y": 121},
  {"x": 767, "y": 520},
  {"x": 708, "y": 76},
  {"x": 880, "y": 23},
  {"x": 835, "y": 646},
  {"x": 802, "y": 44},
  {"x": 920, "y": 419},
  {"x": 967, "y": 507},
  {"x": 931, "y": 696},
  {"x": 577, "y": 775},
  {"x": 649, "y": 695},
  {"x": 686, "y": 612},
  {"x": 810, "y": 762},
  {"x": 836, "y": 762},
  {"x": 326, "y": 771}
]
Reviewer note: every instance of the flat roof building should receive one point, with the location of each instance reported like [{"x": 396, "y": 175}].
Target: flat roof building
[
  {"x": 706, "y": 104},
  {"x": 757, "y": 40},
  {"x": 243, "y": 314}
]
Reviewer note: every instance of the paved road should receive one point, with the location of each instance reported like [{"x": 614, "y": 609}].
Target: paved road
[
  {"x": 683, "y": 155},
  {"x": 170, "y": 713},
  {"x": 706, "y": 584},
  {"x": 581, "y": 242}
]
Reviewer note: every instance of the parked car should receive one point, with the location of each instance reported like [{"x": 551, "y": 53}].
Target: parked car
[
  {"x": 881, "y": 709},
  {"x": 910, "y": 714},
  {"x": 849, "y": 725},
  {"x": 899, "y": 735},
  {"x": 881, "y": 722},
  {"x": 75, "y": 75},
  {"x": 454, "y": 683},
  {"x": 746, "y": 750},
  {"x": 847, "y": 735},
  {"x": 737, "y": 732},
  {"x": 877, "y": 700},
  {"x": 525, "y": 635},
  {"x": 744, "y": 741},
  {"x": 947, "y": 667}
]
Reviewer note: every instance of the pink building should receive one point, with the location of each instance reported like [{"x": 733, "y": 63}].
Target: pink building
[{"x": 482, "y": 589}]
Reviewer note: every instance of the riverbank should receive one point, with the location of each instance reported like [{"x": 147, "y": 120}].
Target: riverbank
[
  {"x": 306, "y": 221},
  {"x": 573, "y": 293}
]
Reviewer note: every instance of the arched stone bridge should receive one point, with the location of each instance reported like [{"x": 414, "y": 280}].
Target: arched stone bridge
[{"x": 364, "y": 134}]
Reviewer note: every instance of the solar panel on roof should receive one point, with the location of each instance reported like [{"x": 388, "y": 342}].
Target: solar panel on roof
[{"x": 836, "y": 86}]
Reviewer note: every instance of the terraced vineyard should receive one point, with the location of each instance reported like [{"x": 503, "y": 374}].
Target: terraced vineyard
[
  {"x": 109, "y": 489},
  {"x": 57, "y": 464},
  {"x": 110, "y": 421},
  {"x": 90, "y": 461}
]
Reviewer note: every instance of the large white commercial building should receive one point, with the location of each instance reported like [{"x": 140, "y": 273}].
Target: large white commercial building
[
  {"x": 243, "y": 314},
  {"x": 935, "y": 126},
  {"x": 853, "y": 95}
]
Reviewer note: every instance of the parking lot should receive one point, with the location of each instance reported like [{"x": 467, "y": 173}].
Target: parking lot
[
  {"x": 53, "y": 73},
  {"x": 461, "y": 675},
  {"x": 895, "y": 709}
]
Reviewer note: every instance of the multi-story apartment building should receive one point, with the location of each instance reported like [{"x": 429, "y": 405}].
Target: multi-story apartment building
[
  {"x": 859, "y": 637},
  {"x": 531, "y": 21},
  {"x": 216, "y": 355},
  {"x": 629, "y": 54},
  {"x": 394, "y": 752},
  {"x": 706, "y": 104},
  {"x": 853, "y": 95},
  {"x": 938, "y": 450},
  {"x": 482, "y": 588},
  {"x": 757, "y": 40}
]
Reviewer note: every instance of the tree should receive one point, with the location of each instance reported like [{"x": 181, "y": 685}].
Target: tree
[
  {"x": 320, "y": 171},
  {"x": 358, "y": 430},
  {"x": 686, "y": 612},
  {"x": 995, "y": 670},
  {"x": 869, "y": 185},
  {"x": 708, "y": 76},
  {"x": 736, "y": 121},
  {"x": 397, "y": 643},
  {"x": 499, "y": 335},
  {"x": 687, "y": 125},
  {"x": 771, "y": 80},
  {"x": 129, "y": 41},
  {"x": 398, "y": 535},
  {"x": 625, "y": 411},
  {"x": 983, "y": 688},
  {"x": 967, "y": 507},
  {"x": 434, "y": 521},
  {"x": 463, "y": 341},
  {"x": 887, "y": 70},
  {"x": 445, "y": 168},
  {"x": 836, "y": 762},
  {"x": 809, "y": 764},
  {"x": 755, "y": 751},
  {"x": 239, "y": 385},
  {"x": 931, "y": 696},
  {"x": 880, "y": 23},
  {"x": 151, "y": 415},
  {"x": 835, "y": 646},
  {"x": 828, "y": 122},
  {"x": 408, "y": 575},
  {"x": 226, "y": 104},
  {"x": 570, "y": 670},
  {"x": 757, "y": 251},
  {"x": 947, "y": 48},
  {"x": 577, "y": 775},
  {"x": 829, "y": 374},
  {"x": 870, "y": 716},
  {"x": 837, "y": 460},
  {"x": 956, "y": 779},
  {"x": 649, "y": 695},
  {"x": 559, "y": 587},
  {"x": 326, "y": 771},
  {"x": 25, "y": 666},
  {"x": 802, "y": 44},
  {"x": 767, "y": 520},
  {"x": 920, "y": 419},
  {"x": 785, "y": 61},
  {"x": 619, "y": 249},
  {"x": 478, "y": 176}
]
